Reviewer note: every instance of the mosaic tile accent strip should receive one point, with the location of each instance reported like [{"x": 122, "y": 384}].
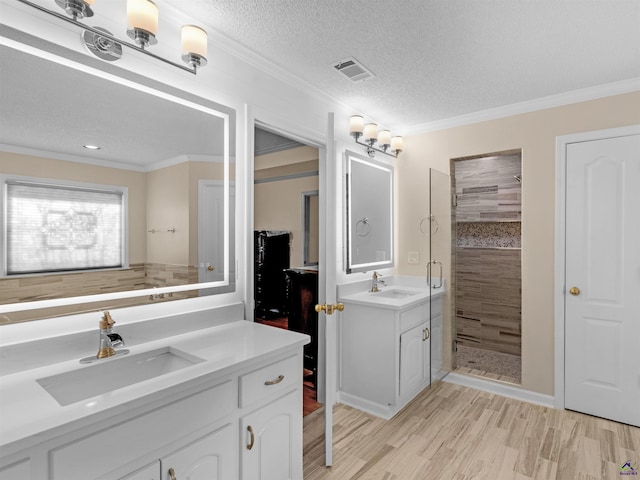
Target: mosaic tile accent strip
[{"x": 489, "y": 234}]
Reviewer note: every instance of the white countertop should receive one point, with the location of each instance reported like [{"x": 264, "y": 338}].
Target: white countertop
[
  {"x": 416, "y": 288},
  {"x": 28, "y": 414}
]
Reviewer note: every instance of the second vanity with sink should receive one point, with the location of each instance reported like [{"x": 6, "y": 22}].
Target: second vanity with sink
[
  {"x": 386, "y": 338},
  {"x": 216, "y": 399}
]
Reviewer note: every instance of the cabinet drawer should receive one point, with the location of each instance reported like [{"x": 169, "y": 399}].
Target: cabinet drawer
[
  {"x": 273, "y": 378},
  {"x": 413, "y": 317},
  {"x": 93, "y": 456}
]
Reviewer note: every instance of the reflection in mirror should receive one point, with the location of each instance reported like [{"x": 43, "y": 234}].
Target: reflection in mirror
[
  {"x": 369, "y": 213},
  {"x": 310, "y": 225},
  {"x": 167, "y": 153}
]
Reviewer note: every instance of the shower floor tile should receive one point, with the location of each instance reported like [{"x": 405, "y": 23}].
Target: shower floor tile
[{"x": 489, "y": 364}]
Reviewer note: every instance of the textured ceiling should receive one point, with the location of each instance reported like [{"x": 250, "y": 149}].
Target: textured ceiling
[
  {"x": 437, "y": 59},
  {"x": 433, "y": 60}
]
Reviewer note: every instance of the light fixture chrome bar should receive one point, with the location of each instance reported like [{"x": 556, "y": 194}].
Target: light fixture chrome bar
[
  {"x": 371, "y": 149},
  {"x": 101, "y": 33}
]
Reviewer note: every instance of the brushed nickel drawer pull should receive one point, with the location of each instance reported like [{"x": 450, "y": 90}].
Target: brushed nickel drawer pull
[
  {"x": 276, "y": 381},
  {"x": 252, "y": 438},
  {"x": 425, "y": 334},
  {"x": 172, "y": 474}
]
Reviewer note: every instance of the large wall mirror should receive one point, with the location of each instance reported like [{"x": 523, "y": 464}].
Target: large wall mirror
[
  {"x": 169, "y": 154},
  {"x": 369, "y": 213}
]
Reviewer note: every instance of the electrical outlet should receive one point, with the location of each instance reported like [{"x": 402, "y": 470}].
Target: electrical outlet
[{"x": 413, "y": 258}]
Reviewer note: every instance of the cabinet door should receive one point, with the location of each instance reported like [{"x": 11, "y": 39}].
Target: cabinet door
[
  {"x": 209, "y": 458},
  {"x": 272, "y": 440},
  {"x": 414, "y": 358},
  {"x": 17, "y": 471},
  {"x": 150, "y": 472}
]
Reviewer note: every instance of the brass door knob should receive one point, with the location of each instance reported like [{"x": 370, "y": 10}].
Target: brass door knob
[
  {"x": 329, "y": 308},
  {"x": 210, "y": 268},
  {"x": 574, "y": 291}
]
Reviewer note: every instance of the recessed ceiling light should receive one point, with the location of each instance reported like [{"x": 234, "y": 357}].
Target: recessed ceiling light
[{"x": 91, "y": 147}]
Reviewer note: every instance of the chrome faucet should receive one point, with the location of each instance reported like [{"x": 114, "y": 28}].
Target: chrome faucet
[
  {"x": 108, "y": 339},
  {"x": 375, "y": 281}
]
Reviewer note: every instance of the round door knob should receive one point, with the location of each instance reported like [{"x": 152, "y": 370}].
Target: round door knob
[
  {"x": 210, "y": 268},
  {"x": 574, "y": 291}
]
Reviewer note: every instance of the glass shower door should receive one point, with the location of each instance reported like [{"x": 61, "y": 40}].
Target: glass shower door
[{"x": 442, "y": 324}]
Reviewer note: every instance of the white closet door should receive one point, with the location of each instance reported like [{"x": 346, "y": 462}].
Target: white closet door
[{"x": 602, "y": 300}]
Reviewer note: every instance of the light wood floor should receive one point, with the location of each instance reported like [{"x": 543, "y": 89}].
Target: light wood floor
[{"x": 458, "y": 433}]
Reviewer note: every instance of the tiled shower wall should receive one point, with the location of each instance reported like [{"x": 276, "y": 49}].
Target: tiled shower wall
[
  {"x": 488, "y": 286},
  {"x": 487, "y": 265}
]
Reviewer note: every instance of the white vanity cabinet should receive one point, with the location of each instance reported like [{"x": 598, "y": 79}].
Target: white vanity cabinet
[
  {"x": 208, "y": 458},
  {"x": 190, "y": 430},
  {"x": 414, "y": 358},
  {"x": 271, "y": 445},
  {"x": 271, "y": 433},
  {"x": 385, "y": 357},
  {"x": 149, "y": 472},
  {"x": 17, "y": 471}
]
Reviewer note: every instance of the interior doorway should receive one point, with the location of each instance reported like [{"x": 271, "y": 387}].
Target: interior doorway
[
  {"x": 487, "y": 274},
  {"x": 286, "y": 244}
]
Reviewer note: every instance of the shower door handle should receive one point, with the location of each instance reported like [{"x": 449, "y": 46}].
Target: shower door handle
[{"x": 435, "y": 262}]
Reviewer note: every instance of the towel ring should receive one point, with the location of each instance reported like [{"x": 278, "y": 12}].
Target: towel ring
[
  {"x": 432, "y": 219},
  {"x": 362, "y": 227}
]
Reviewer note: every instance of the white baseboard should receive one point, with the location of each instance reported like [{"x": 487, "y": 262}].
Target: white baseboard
[{"x": 500, "y": 389}]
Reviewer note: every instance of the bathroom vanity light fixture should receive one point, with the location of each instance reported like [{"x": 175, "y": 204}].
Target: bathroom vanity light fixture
[
  {"x": 387, "y": 144},
  {"x": 142, "y": 27}
]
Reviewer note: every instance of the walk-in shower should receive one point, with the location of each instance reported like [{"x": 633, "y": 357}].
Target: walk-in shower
[{"x": 486, "y": 269}]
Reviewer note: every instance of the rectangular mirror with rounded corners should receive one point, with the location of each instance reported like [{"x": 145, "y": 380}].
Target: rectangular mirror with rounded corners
[
  {"x": 369, "y": 213},
  {"x": 170, "y": 151}
]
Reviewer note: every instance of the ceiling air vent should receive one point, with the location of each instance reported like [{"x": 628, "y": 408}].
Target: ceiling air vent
[{"x": 353, "y": 70}]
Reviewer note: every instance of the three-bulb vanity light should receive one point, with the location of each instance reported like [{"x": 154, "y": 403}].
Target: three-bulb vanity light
[
  {"x": 142, "y": 28},
  {"x": 357, "y": 129}
]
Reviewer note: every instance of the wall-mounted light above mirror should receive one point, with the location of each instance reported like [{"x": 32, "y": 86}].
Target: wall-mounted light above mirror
[
  {"x": 369, "y": 213},
  {"x": 387, "y": 144},
  {"x": 171, "y": 151}
]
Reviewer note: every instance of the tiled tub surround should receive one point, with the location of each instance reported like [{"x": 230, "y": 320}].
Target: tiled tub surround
[
  {"x": 488, "y": 290},
  {"x": 486, "y": 189},
  {"x": 136, "y": 277}
]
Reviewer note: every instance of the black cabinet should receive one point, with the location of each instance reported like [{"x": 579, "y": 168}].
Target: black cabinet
[
  {"x": 271, "y": 260},
  {"x": 302, "y": 297}
]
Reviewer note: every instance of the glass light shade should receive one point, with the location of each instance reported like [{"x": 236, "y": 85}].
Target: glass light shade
[
  {"x": 142, "y": 15},
  {"x": 384, "y": 137},
  {"x": 194, "y": 41},
  {"x": 356, "y": 124},
  {"x": 370, "y": 132},
  {"x": 396, "y": 144}
]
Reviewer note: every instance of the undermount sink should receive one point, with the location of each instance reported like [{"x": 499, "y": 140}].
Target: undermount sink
[
  {"x": 115, "y": 373},
  {"x": 395, "y": 293}
]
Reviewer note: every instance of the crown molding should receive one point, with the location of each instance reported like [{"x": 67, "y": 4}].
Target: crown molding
[
  {"x": 543, "y": 103},
  {"x": 248, "y": 56}
]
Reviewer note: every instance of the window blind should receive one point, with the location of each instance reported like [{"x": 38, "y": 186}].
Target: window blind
[{"x": 52, "y": 228}]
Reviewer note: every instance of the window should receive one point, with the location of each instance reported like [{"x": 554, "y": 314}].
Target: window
[{"x": 62, "y": 227}]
